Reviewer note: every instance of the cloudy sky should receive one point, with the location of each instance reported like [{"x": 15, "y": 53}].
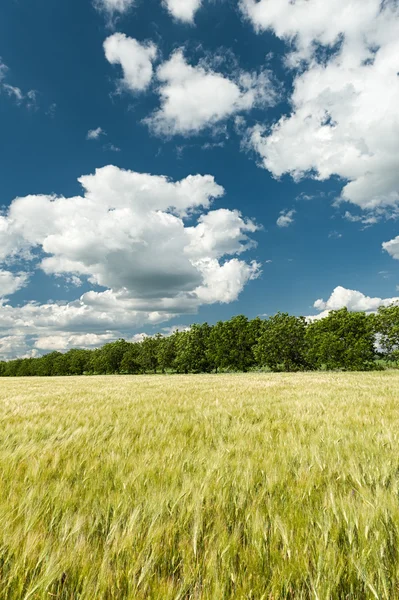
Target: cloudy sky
[{"x": 165, "y": 162}]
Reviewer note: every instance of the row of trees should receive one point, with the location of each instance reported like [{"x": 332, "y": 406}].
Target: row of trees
[{"x": 343, "y": 340}]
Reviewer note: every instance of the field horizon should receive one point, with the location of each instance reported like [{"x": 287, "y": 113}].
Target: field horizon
[{"x": 221, "y": 486}]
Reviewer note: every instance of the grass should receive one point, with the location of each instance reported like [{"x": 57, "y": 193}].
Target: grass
[{"x": 256, "y": 486}]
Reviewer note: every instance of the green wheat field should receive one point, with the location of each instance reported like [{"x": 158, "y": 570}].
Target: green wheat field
[{"x": 247, "y": 486}]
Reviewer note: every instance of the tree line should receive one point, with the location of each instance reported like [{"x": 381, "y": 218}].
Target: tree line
[{"x": 343, "y": 340}]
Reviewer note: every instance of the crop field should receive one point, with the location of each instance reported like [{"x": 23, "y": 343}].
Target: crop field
[{"x": 247, "y": 486}]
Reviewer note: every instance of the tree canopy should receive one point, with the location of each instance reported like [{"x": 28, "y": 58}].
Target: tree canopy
[{"x": 342, "y": 340}]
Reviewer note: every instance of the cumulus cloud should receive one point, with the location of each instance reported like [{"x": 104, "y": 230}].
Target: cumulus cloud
[
  {"x": 64, "y": 341},
  {"x": 94, "y": 134},
  {"x": 392, "y": 247},
  {"x": 135, "y": 59},
  {"x": 221, "y": 232},
  {"x": 183, "y": 10},
  {"x": 352, "y": 300},
  {"x": 16, "y": 346},
  {"x": 286, "y": 218},
  {"x": 196, "y": 97},
  {"x": 128, "y": 234},
  {"x": 11, "y": 282},
  {"x": 344, "y": 119}
]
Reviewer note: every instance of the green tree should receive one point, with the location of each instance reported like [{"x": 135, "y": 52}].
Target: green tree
[
  {"x": 231, "y": 344},
  {"x": 130, "y": 362},
  {"x": 113, "y": 354},
  {"x": 60, "y": 365},
  {"x": 25, "y": 367},
  {"x": 387, "y": 330},
  {"x": 192, "y": 350},
  {"x": 79, "y": 361},
  {"x": 281, "y": 345},
  {"x": 166, "y": 352},
  {"x": 342, "y": 340},
  {"x": 148, "y": 354},
  {"x": 44, "y": 366}
]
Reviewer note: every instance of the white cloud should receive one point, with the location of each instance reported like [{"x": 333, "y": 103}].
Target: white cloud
[
  {"x": 114, "y": 6},
  {"x": 392, "y": 247},
  {"x": 286, "y": 218},
  {"x": 15, "y": 92},
  {"x": 193, "y": 98},
  {"x": 3, "y": 70},
  {"x": 366, "y": 220},
  {"x": 224, "y": 282},
  {"x": 111, "y": 148},
  {"x": 12, "y": 282},
  {"x": 64, "y": 341},
  {"x": 344, "y": 119},
  {"x": 127, "y": 233},
  {"x": 135, "y": 59},
  {"x": 220, "y": 232},
  {"x": 94, "y": 134},
  {"x": 352, "y": 300},
  {"x": 15, "y": 346},
  {"x": 183, "y": 10}
]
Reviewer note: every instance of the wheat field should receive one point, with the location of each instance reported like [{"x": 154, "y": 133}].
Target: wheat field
[{"x": 248, "y": 486}]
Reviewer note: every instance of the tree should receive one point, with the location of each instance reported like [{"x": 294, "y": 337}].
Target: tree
[
  {"x": 281, "y": 345},
  {"x": 113, "y": 354},
  {"x": 130, "y": 362},
  {"x": 60, "y": 365},
  {"x": 45, "y": 366},
  {"x": 387, "y": 330},
  {"x": 231, "y": 344},
  {"x": 191, "y": 350},
  {"x": 98, "y": 362},
  {"x": 79, "y": 361},
  {"x": 166, "y": 352},
  {"x": 148, "y": 354},
  {"x": 342, "y": 340}
]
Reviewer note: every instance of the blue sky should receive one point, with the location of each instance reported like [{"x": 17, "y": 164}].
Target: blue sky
[{"x": 287, "y": 119}]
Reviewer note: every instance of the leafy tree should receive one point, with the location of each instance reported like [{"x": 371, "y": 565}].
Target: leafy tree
[
  {"x": 108, "y": 359},
  {"x": 281, "y": 345},
  {"x": 192, "y": 347},
  {"x": 342, "y": 340},
  {"x": 231, "y": 344},
  {"x": 113, "y": 354},
  {"x": 387, "y": 330},
  {"x": 25, "y": 367},
  {"x": 44, "y": 366},
  {"x": 166, "y": 352},
  {"x": 78, "y": 361},
  {"x": 148, "y": 354},
  {"x": 60, "y": 365},
  {"x": 130, "y": 362}
]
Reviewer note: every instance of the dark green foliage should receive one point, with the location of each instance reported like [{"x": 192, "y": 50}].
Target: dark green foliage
[
  {"x": 343, "y": 340},
  {"x": 281, "y": 345},
  {"x": 148, "y": 355},
  {"x": 191, "y": 350},
  {"x": 387, "y": 329},
  {"x": 167, "y": 352},
  {"x": 78, "y": 361},
  {"x": 130, "y": 364},
  {"x": 231, "y": 343}
]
